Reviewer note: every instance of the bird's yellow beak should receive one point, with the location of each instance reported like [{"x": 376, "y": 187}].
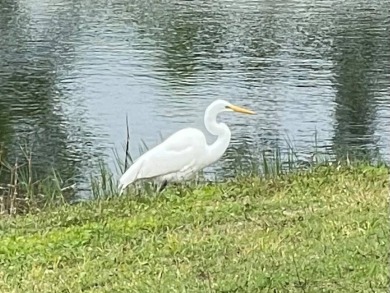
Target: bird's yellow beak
[{"x": 239, "y": 109}]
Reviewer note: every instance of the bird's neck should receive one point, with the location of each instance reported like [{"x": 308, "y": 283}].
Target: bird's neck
[{"x": 218, "y": 148}]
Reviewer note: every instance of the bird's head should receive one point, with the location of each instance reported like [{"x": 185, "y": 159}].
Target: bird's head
[{"x": 223, "y": 106}]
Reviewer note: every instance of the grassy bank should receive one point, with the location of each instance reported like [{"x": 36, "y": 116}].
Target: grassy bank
[{"x": 320, "y": 231}]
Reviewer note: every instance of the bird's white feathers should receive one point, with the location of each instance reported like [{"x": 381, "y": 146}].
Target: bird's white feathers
[
  {"x": 184, "y": 152},
  {"x": 174, "y": 159}
]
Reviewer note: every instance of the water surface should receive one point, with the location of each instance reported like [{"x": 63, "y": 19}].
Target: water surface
[{"x": 70, "y": 72}]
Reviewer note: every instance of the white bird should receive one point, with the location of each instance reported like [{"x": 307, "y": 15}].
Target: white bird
[{"x": 185, "y": 152}]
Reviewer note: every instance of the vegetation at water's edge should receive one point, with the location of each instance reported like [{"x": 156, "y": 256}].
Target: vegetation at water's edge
[
  {"x": 23, "y": 190},
  {"x": 324, "y": 230}
]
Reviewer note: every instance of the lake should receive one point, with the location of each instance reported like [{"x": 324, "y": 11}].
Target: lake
[{"x": 317, "y": 73}]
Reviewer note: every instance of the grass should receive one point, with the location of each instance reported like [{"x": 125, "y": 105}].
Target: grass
[
  {"x": 22, "y": 191},
  {"x": 322, "y": 230}
]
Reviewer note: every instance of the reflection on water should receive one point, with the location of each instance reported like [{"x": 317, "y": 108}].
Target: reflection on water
[
  {"x": 359, "y": 83},
  {"x": 70, "y": 72}
]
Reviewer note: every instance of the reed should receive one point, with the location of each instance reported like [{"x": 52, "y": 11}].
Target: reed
[{"x": 22, "y": 191}]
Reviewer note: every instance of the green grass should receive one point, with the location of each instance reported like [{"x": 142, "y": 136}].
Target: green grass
[{"x": 326, "y": 230}]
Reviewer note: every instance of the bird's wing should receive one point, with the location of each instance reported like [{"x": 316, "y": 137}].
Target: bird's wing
[{"x": 177, "y": 153}]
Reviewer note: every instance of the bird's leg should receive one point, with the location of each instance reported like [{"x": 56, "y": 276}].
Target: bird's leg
[{"x": 163, "y": 185}]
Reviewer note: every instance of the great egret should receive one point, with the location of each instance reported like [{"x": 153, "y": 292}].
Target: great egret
[{"x": 185, "y": 152}]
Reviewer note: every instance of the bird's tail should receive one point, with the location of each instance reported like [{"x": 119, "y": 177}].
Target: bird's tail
[
  {"x": 121, "y": 188},
  {"x": 129, "y": 176}
]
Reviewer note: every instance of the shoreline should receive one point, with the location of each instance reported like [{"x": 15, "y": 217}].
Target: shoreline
[{"x": 324, "y": 229}]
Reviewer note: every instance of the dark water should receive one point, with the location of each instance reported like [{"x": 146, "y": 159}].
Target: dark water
[{"x": 70, "y": 71}]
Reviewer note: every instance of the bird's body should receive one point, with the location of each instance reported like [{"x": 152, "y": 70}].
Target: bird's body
[
  {"x": 185, "y": 152},
  {"x": 159, "y": 163}
]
